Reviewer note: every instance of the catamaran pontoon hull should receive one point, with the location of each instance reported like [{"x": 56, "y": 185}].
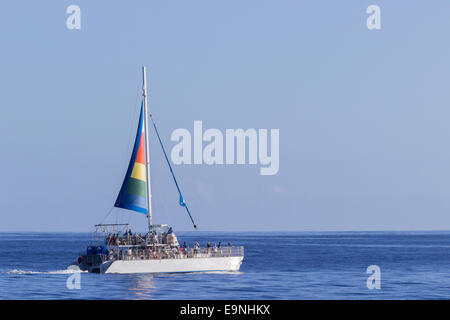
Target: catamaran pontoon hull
[{"x": 170, "y": 265}]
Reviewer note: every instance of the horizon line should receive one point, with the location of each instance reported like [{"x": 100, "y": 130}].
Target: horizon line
[{"x": 252, "y": 231}]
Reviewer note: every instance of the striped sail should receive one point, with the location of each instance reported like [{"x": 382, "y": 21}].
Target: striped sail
[{"x": 133, "y": 194}]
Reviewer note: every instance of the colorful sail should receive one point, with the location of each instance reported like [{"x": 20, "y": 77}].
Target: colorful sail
[{"x": 133, "y": 194}]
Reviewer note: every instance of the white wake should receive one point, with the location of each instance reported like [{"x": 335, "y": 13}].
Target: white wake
[{"x": 66, "y": 271}]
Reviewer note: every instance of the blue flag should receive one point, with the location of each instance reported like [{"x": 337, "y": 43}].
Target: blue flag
[{"x": 182, "y": 201}]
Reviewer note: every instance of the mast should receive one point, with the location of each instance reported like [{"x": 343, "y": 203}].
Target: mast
[{"x": 147, "y": 148}]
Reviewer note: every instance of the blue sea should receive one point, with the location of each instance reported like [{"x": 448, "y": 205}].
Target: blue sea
[{"x": 292, "y": 265}]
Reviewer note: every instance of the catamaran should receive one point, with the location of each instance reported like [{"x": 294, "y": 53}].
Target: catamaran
[{"x": 115, "y": 248}]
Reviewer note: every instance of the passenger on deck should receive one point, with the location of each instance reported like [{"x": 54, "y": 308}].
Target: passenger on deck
[
  {"x": 196, "y": 248},
  {"x": 172, "y": 239},
  {"x": 110, "y": 239},
  {"x": 149, "y": 253},
  {"x": 229, "y": 249}
]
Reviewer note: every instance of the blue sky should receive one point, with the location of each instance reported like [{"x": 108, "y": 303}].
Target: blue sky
[{"x": 363, "y": 115}]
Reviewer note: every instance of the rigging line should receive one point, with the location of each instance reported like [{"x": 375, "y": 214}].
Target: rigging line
[
  {"x": 107, "y": 215},
  {"x": 182, "y": 203}
]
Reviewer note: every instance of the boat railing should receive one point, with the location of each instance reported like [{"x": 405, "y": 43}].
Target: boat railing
[{"x": 171, "y": 253}]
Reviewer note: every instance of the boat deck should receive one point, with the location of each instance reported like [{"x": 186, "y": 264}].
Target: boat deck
[{"x": 136, "y": 252}]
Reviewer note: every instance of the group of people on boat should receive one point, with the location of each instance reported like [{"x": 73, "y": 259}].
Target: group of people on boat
[
  {"x": 134, "y": 246},
  {"x": 169, "y": 252},
  {"x": 129, "y": 238}
]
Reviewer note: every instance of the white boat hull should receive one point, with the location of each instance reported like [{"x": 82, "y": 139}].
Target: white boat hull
[{"x": 172, "y": 265}]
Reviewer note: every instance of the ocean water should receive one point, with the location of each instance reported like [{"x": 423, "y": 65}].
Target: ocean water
[{"x": 303, "y": 265}]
